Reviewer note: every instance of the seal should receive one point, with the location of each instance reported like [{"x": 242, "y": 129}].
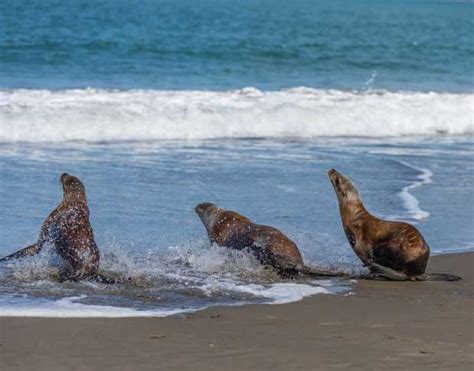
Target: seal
[
  {"x": 390, "y": 249},
  {"x": 271, "y": 247},
  {"x": 68, "y": 230}
]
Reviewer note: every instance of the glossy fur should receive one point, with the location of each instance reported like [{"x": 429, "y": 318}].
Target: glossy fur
[
  {"x": 379, "y": 243},
  {"x": 270, "y": 246}
]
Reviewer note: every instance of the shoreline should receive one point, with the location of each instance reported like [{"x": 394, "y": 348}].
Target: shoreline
[{"x": 383, "y": 325}]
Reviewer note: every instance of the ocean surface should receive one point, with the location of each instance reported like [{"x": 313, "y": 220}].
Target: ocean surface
[
  {"x": 417, "y": 45},
  {"x": 161, "y": 105}
]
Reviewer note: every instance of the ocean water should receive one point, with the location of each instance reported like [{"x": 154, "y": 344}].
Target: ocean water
[
  {"x": 417, "y": 45},
  {"x": 247, "y": 104}
]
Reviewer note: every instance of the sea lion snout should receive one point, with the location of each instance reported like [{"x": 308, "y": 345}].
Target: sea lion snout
[
  {"x": 207, "y": 212},
  {"x": 335, "y": 178},
  {"x": 72, "y": 186},
  {"x": 63, "y": 177},
  {"x": 203, "y": 207},
  {"x": 66, "y": 179},
  {"x": 332, "y": 173},
  {"x": 343, "y": 186}
]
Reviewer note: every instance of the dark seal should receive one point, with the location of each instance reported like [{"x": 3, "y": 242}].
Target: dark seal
[
  {"x": 69, "y": 231},
  {"x": 390, "y": 249},
  {"x": 271, "y": 247}
]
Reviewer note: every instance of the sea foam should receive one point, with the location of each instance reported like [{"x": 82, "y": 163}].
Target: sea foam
[
  {"x": 183, "y": 280},
  {"x": 133, "y": 115},
  {"x": 71, "y": 307},
  {"x": 410, "y": 202},
  {"x": 13, "y": 306}
]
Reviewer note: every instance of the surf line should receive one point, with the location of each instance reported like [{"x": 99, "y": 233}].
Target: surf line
[{"x": 410, "y": 202}]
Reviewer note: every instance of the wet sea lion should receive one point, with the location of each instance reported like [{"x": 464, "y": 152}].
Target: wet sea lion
[
  {"x": 268, "y": 244},
  {"x": 390, "y": 249},
  {"x": 69, "y": 231}
]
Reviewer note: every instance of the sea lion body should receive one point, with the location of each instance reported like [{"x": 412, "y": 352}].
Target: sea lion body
[
  {"x": 396, "y": 245},
  {"x": 268, "y": 244},
  {"x": 231, "y": 229},
  {"x": 68, "y": 230},
  {"x": 391, "y": 249}
]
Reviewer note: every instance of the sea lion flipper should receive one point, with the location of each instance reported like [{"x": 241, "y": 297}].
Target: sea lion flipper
[
  {"x": 108, "y": 278},
  {"x": 438, "y": 277},
  {"x": 310, "y": 271},
  {"x": 378, "y": 270},
  {"x": 27, "y": 251}
]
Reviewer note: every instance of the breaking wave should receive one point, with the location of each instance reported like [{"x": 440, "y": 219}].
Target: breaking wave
[{"x": 133, "y": 115}]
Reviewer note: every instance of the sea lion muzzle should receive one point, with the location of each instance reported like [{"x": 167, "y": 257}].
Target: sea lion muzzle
[
  {"x": 335, "y": 179},
  {"x": 63, "y": 176}
]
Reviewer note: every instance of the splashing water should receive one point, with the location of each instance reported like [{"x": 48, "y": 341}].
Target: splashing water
[
  {"x": 368, "y": 85},
  {"x": 158, "y": 283},
  {"x": 141, "y": 196}
]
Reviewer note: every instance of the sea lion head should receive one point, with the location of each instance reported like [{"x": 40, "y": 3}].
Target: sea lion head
[
  {"x": 208, "y": 213},
  {"x": 345, "y": 189},
  {"x": 72, "y": 187}
]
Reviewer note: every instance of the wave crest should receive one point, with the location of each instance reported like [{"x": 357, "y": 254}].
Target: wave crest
[{"x": 134, "y": 115}]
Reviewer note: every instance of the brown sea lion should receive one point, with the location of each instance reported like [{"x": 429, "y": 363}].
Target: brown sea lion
[
  {"x": 268, "y": 244},
  {"x": 69, "y": 231},
  {"x": 390, "y": 249}
]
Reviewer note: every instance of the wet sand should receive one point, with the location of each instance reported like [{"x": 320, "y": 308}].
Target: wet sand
[{"x": 382, "y": 325}]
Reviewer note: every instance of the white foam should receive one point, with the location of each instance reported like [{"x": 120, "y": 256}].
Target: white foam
[
  {"x": 282, "y": 293},
  {"x": 278, "y": 293},
  {"x": 228, "y": 277},
  {"x": 410, "y": 202},
  {"x": 103, "y": 115},
  {"x": 11, "y": 306}
]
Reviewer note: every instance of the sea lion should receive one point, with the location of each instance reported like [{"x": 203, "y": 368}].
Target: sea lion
[
  {"x": 69, "y": 231},
  {"x": 271, "y": 247},
  {"x": 390, "y": 249}
]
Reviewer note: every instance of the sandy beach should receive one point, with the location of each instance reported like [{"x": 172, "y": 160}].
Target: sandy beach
[{"x": 382, "y": 325}]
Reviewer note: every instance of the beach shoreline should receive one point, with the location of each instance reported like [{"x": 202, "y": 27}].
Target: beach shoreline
[{"x": 380, "y": 325}]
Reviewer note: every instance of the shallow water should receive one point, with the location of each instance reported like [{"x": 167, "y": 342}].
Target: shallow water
[{"x": 142, "y": 195}]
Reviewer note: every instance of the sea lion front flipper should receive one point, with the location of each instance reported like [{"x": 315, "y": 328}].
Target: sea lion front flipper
[
  {"x": 378, "y": 270},
  {"x": 27, "y": 251}
]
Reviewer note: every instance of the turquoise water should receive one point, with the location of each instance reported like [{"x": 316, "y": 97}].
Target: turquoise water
[{"x": 226, "y": 44}]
